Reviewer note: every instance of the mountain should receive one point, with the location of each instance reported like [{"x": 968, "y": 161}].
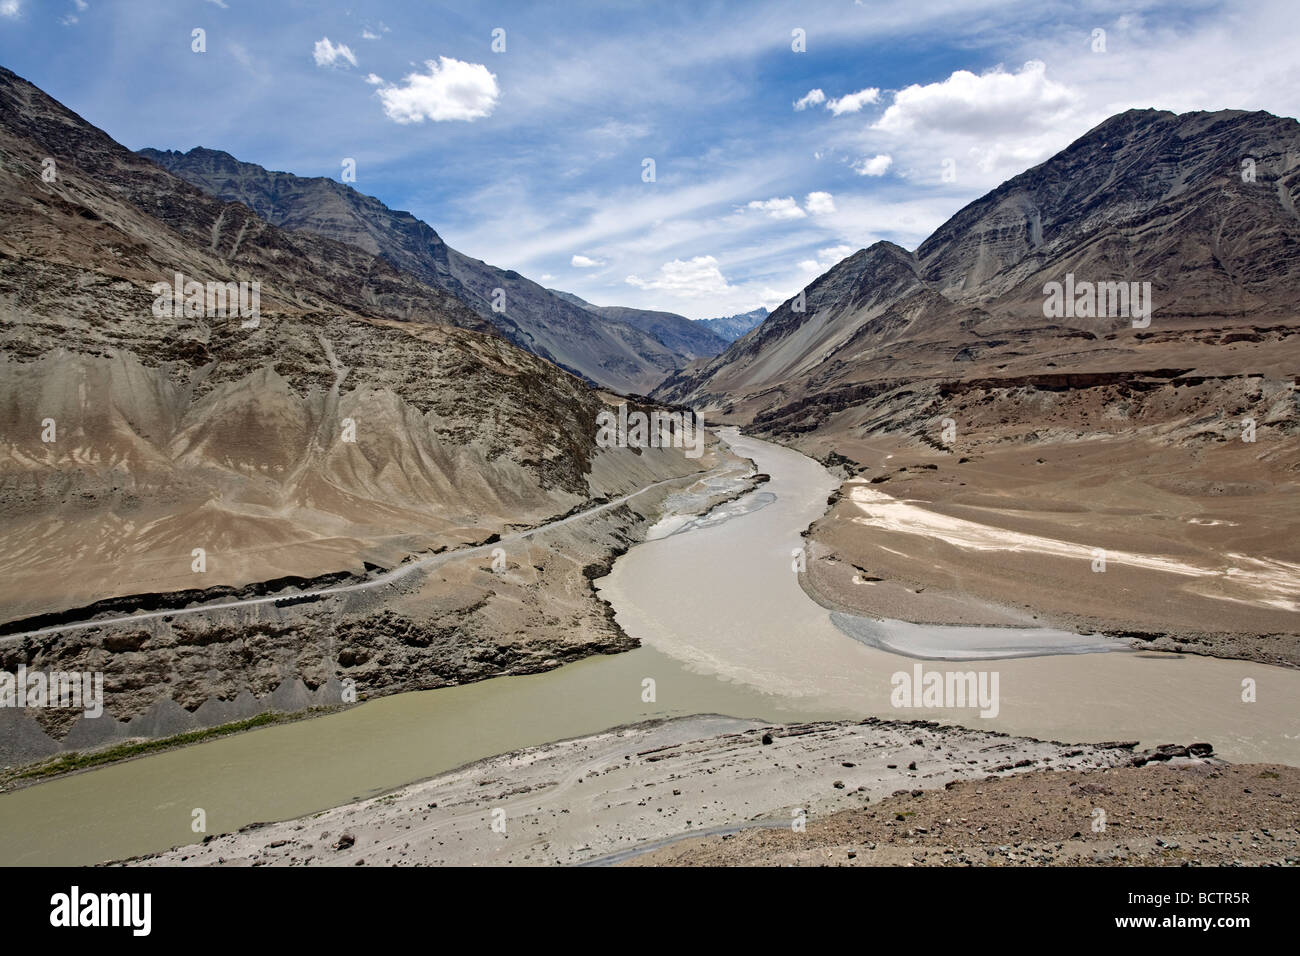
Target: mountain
[
  {"x": 609, "y": 353},
  {"x": 235, "y": 428},
  {"x": 162, "y": 452},
  {"x": 1001, "y": 451},
  {"x": 1148, "y": 196},
  {"x": 676, "y": 332},
  {"x": 732, "y": 327}
]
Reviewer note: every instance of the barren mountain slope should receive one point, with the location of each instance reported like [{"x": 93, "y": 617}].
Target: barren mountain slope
[
  {"x": 685, "y": 337},
  {"x": 352, "y": 425},
  {"x": 732, "y": 327},
  {"x": 610, "y": 353},
  {"x": 938, "y": 377}
]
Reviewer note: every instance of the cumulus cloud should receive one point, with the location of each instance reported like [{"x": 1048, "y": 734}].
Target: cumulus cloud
[
  {"x": 812, "y": 98},
  {"x": 854, "y": 101},
  {"x": 696, "y": 277},
  {"x": 785, "y": 208},
  {"x": 819, "y": 204},
  {"x": 827, "y": 257},
  {"x": 992, "y": 102},
  {"x": 875, "y": 166},
  {"x": 374, "y": 79},
  {"x": 451, "y": 90},
  {"x": 328, "y": 54},
  {"x": 583, "y": 262},
  {"x": 10, "y": 9}
]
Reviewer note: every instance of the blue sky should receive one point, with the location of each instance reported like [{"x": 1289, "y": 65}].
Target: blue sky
[{"x": 532, "y": 157}]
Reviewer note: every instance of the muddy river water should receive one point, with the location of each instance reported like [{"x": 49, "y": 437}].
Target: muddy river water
[{"x": 725, "y": 629}]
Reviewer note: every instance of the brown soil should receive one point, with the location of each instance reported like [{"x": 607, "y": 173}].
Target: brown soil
[
  {"x": 1223, "y": 509},
  {"x": 1194, "y": 814}
]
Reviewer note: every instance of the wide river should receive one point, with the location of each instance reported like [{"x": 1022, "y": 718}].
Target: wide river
[{"x": 726, "y": 629}]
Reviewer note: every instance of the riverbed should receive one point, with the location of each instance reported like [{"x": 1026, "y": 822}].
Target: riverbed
[
  {"x": 725, "y": 628},
  {"x": 725, "y": 600}
]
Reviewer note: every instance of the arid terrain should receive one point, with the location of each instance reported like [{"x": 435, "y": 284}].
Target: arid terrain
[
  {"x": 1138, "y": 476},
  {"x": 366, "y": 420},
  {"x": 1162, "y": 814},
  {"x": 388, "y": 479},
  {"x": 718, "y": 791}
]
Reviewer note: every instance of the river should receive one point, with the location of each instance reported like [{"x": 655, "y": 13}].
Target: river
[{"x": 725, "y": 629}]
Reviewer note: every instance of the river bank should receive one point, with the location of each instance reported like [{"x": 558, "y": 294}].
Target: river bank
[
  {"x": 1163, "y": 548},
  {"x": 740, "y": 611},
  {"x": 520, "y": 603},
  {"x": 725, "y": 628},
  {"x": 599, "y": 797},
  {"x": 1179, "y": 813}
]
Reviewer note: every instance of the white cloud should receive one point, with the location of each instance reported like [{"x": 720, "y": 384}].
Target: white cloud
[
  {"x": 374, "y": 79},
  {"x": 451, "y": 90},
  {"x": 10, "y": 8},
  {"x": 875, "y": 166},
  {"x": 220, "y": 3},
  {"x": 834, "y": 254},
  {"x": 243, "y": 57},
  {"x": 820, "y": 204},
  {"x": 785, "y": 208},
  {"x": 619, "y": 132},
  {"x": 583, "y": 262},
  {"x": 81, "y": 5},
  {"x": 812, "y": 98},
  {"x": 367, "y": 35},
  {"x": 854, "y": 101},
  {"x": 827, "y": 257},
  {"x": 698, "y": 277},
  {"x": 328, "y": 54},
  {"x": 983, "y": 105}
]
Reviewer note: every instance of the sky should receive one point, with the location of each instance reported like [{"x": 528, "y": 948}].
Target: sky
[{"x": 783, "y": 135}]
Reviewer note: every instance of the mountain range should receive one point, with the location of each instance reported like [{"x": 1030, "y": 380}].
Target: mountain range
[
  {"x": 688, "y": 338},
  {"x": 1147, "y": 196},
  {"x": 393, "y": 397},
  {"x": 349, "y": 415},
  {"x": 620, "y": 349},
  {"x": 1095, "y": 362},
  {"x": 732, "y": 327}
]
